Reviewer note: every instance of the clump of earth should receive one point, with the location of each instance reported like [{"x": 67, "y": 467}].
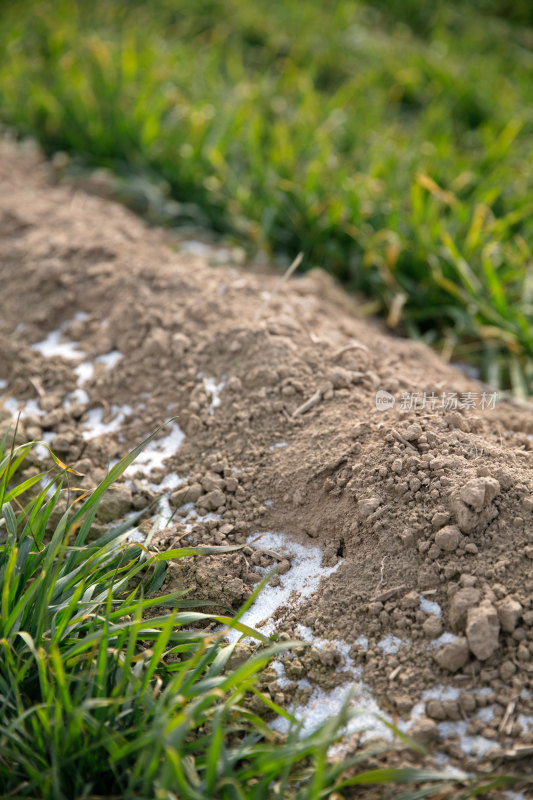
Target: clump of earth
[{"x": 293, "y": 417}]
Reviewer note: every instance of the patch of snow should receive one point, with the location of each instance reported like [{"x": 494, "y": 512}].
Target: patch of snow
[
  {"x": 486, "y": 714},
  {"x": 27, "y": 409},
  {"x": 40, "y": 450},
  {"x": 77, "y": 397},
  {"x": 278, "y": 444},
  {"x": 323, "y": 705},
  {"x": 444, "y": 638},
  {"x": 164, "y": 513},
  {"x": 157, "y": 451},
  {"x": 441, "y": 693},
  {"x": 269, "y": 503},
  {"x": 84, "y": 372},
  {"x": 109, "y": 360},
  {"x": 429, "y": 607},
  {"x": 471, "y": 745},
  {"x": 3, "y": 384},
  {"x": 52, "y": 346},
  {"x": 391, "y": 644},
  {"x": 213, "y": 388},
  {"x": 526, "y": 721},
  {"x": 135, "y": 535},
  {"x": 94, "y": 425},
  {"x": 300, "y": 581},
  {"x": 169, "y": 483}
]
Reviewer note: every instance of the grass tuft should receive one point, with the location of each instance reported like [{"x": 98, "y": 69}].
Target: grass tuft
[{"x": 389, "y": 142}]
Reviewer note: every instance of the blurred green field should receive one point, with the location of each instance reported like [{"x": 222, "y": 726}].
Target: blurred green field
[{"x": 391, "y": 142}]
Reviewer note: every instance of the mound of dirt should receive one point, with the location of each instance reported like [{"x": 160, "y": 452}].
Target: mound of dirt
[{"x": 293, "y": 415}]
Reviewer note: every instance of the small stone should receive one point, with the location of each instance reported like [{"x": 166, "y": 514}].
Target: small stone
[
  {"x": 434, "y": 552},
  {"x": 232, "y": 484},
  {"x": 462, "y": 600},
  {"x": 527, "y": 503},
  {"x": 471, "y": 548},
  {"x": 403, "y": 703},
  {"x": 212, "y": 500},
  {"x": 482, "y": 629},
  {"x": 424, "y": 731},
  {"x": 340, "y": 378},
  {"x": 157, "y": 343},
  {"x": 186, "y": 494},
  {"x": 212, "y": 481},
  {"x": 427, "y": 577},
  {"x": 367, "y": 506},
  {"x": 522, "y": 652},
  {"x": 410, "y": 600},
  {"x": 448, "y": 538},
  {"x": 479, "y": 492},
  {"x": 413, "y": 432},
  {"x": 467, "y": 702},
  {"x": 440, "y": 518},
  {"x": 180, "y": 343},
  {"x": 507, "y": 670},
  {"x": 453, "y": 656},
  {"x": 432, "y": 627},
  {"x": 294, "y": 669},
  {"x": 397, "y": 466},
  {"x": 115, "y": 503},
  {"x": 509, "y": 612},
  {"x": 435, "y": 710},
  {"x": 284, "y": 566},
  {"x": 451, "y": 709},
  {"x": 329, "y": 655}
]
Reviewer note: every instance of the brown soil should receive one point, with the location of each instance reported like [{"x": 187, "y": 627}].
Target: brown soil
[{"x": 432, "y": 502}]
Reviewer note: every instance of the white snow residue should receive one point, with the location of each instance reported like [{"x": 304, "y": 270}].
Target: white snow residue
[
  {"x": 3, "y": 384},
  {"x": 322, "y": 705},
  {"x": 83, "y": 372},
  {"x": 269, "y": 503},
  {"x": 77, "y": 397},
  {"x": 429, "y": 607},
  {"x": 213, "y": 388},
  {"x": 40, "y": 450},
  {"x": 157, "y": 451},
  {"x": 52, "y": 346},
  {"x": 471, "y": 745},
  {"x": 391, "y": 644},
  {"x": 526, "y": 721},
  {"x": 486, "y": 714},
  {"x": 94, "y": 426},
  {"x": 303, "y": 579},
  {"x": 27, "y": 409},
  {"x": 192, "y": 517},
  {"x": 164, "y": 513},
  {"x": 169, "y": 483},
  {"x": 277, "y": 444},
  {"x": 362, "y": 641},
  {"x": 444, "y": 638},
  {"x": 109, "y": 360}
]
